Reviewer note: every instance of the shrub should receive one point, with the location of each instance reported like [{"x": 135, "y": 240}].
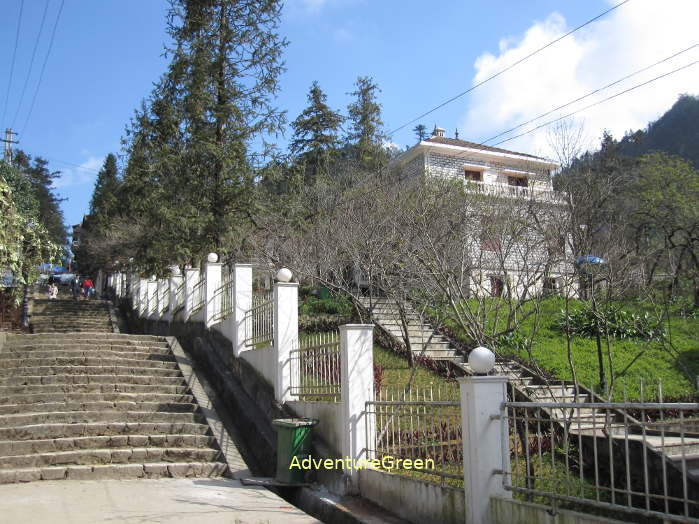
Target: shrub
[{"x": 611, "y": 320}]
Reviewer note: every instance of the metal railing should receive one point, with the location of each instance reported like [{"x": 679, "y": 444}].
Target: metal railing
[
  {"x": 599, "y": 455},
  {"x": 508, "y": 191},
  {"x": 315, "y": 367},
  {"x": 179, "y": 298},
  {"x": 223, "y": 298},
  {"x": 422, "y": 425},
  {"x": 152, "y": 301},
  {"x": 259, "y": 320},
  {"x": 198, "y": 295}
]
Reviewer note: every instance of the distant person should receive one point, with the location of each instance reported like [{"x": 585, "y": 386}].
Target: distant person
[
  {"x": 53, "y": 291},
  {"x": 75, "y": 287},
  {"x": 88, "y": 287}
]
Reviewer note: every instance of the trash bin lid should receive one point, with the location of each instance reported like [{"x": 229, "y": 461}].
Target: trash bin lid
[{"x": 295, "y": 422}]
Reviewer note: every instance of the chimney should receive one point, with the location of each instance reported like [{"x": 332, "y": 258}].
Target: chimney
[{"x": 437, "y": 131}]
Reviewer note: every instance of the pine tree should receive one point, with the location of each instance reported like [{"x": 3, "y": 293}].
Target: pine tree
[
  {"x": 315, "y": 140},
  {"x": 420, "y": 131},
  {"x": 105, "y": 195},
  {"x": 365, "y": 132}
]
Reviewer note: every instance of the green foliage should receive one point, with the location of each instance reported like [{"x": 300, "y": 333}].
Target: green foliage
[
  {"x": 365, "y": 133},
  {"x": 611, "y": 320},
  {"x": 325, "y": 306}
]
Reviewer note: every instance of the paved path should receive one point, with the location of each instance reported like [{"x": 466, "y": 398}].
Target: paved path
[{"x": 191, "y": 501}]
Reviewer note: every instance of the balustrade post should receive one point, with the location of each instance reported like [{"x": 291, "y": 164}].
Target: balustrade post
[
  {"x": 212, "y": 276},
  {"x": 242, "y": 302},
  {"x": 162, "y": 289},
  {"x": 286, "y": 335},
  {"x": 357, "y": 388},
  {"x": 174, "y": 283},
  {"x": 191, "y": 277},
  {"x": 151, "y": 305},
  {"x": 142, "y": 296},
  {"x": 485, "y": 434}
]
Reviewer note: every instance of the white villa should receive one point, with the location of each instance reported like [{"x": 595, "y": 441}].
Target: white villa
[{"x": 502, "y": 175}]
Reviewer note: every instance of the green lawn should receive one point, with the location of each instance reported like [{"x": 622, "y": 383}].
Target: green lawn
[{"x": 670, "y": 362}]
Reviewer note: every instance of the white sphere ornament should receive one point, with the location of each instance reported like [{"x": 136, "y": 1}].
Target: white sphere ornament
[
  {"x": 212, "y": 257},
  {"x": 175, "y": 270},
  {"x": 284, "y": 275},
  {"x": 481, "y": 360}
]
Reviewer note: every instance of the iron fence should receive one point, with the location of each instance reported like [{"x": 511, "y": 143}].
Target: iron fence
[
  {"x": 315, "y": 367},
  {"x": 152, "y": 301},
  {"x": 596, "y": 454},
  {"x": 259, "y": 320},
  {"x": 223, "y": 298},
  {"x": 198, "y": 295},
  {"x": 422, "y": 426}
]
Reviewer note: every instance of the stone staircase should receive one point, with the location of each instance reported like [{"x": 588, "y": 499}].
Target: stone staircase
[
  {"x": 424, "y": 340},
  {"x": 67, "y": 315},
  {"x": 97, "y": 405}
]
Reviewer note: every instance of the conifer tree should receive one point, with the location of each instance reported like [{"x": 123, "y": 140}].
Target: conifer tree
[
  {"x": 315, "y": 140},
  {"x": 365, "y": 133}
]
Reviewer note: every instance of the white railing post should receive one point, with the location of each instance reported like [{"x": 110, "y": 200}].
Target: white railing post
[
  {"x": 212, "y": 276},
  {"x": 117, "y": 284},
  {"x": 152, "y": 305},
  {"x": 286, "y": 335},
  {"x": 142, "y": 296},
  {"x": 162, "y": 289},
  {"x": 242, "y": 302},
  {"x": 174, "y": 283},
  {"x": 486, "y": 453},
  {"x": 357, "y": 388},
  {"x": 191, "y": 277}
]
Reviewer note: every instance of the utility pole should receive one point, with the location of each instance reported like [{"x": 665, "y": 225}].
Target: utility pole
[{"x": 8, "y": 144}]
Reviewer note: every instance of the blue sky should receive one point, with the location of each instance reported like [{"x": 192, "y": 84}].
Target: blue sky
[{"x": 106, "y": 55}]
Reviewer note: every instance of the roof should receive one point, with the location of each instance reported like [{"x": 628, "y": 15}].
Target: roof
[{"x": 472, "y": 145}]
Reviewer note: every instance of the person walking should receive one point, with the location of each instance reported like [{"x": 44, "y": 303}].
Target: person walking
[
  {"x": 75, "y": 287},
  {"x": 53, "y": 291},
  {"x": 88, "y": 287}
]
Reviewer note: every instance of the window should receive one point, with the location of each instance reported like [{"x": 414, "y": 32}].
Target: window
[
  {"x": 497, "y": 286},
  {"x": 550, "y": 286},
  {"x": 518, "y": 181},
  {"x": 489, "y": 241},
  {"x": 473, "y": 176}
]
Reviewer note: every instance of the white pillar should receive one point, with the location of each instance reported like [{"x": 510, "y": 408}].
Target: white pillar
[
  {"x": 162, "y": 289},
  {"x": 142, "y": 296},
  {"x": 286, "y": 335},
  {"x": 357, "y": 388},
  {"x": 191, "y": 277},
  {"x": 152, "y": 305},
  {"x": 485, "y": 444},
  {"x": 212, "y": 305},
  {"x": 242, "y": 302},
  {"x": 175, "y": 281}
]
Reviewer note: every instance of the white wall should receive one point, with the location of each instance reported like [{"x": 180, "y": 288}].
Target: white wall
[
  {"x": 330, "y": 416},
  {"x": 264, "y": 362}
]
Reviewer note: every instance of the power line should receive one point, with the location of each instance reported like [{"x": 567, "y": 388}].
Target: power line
[
  {"x": 449, "y": 101},
  {"x": 43, "y": 67},
  {"x": 600, "y": 101},
  {"x": 14, "y": 56},
  {"x": 31, "y": 62},
  {"x": 589, "y": 94}
]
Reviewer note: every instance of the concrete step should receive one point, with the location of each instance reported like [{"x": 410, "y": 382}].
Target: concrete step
[
  {"x": 97, "y": 405},
  {"x": 85, "y": 378},
  {"x": 97, "y": 345},
  {"x": 115, "y": 471},
  {"x": 26, "y": 447},
  {"x": 96, "y": 429},
  {"x": 45, "y": 331},
  {"x": 91, "y": 387},
  {"x": 59, "y": 370},
  {"x": 86, "y": 457},
  {"x": 89, "y": 417},
  {"x": 9, "y": 365},
  {"x": 127, "y": 353},
  {"x": 38, "y": 398},
  {"x": 96, "y": 337}
]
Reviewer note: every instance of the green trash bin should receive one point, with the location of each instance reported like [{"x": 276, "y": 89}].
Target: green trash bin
[{"x": 292, "y": 441}]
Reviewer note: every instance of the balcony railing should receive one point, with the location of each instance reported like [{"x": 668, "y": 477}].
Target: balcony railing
[{"x": 508, "y": 191}]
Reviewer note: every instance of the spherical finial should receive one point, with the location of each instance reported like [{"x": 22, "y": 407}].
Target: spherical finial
[
  {"x": 284, "y": 275},
  {"x": 131, "y": 260},
  {"x": 212, "y": 257},
  {"x": 481, "y": 360},
  {"x": 175, "y": 270}
]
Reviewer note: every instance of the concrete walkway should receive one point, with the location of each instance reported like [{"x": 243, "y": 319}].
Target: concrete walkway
[{"x": 213, "y": 501}]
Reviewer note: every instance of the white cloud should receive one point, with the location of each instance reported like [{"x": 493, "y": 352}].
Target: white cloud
[
  {"x": 85, "y": 173},
  {"x": 628, "y": 39}
]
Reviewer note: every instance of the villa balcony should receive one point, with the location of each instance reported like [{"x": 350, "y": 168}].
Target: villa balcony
[{"x": 509, "y": 191}]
